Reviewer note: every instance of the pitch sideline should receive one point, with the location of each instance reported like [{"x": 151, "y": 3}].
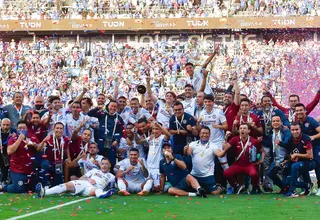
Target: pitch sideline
[{"x": 48, "y": 209}]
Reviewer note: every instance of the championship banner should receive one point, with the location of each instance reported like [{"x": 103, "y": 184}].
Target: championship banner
[{"x": 160, "y": 24}]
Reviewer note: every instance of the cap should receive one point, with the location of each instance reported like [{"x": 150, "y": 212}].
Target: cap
[{"x": 166, "y": 145}]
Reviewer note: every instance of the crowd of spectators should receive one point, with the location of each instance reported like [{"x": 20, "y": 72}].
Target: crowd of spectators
[
  {"x": 46, "y": 67},
  {"x": 107, "y": 9}
]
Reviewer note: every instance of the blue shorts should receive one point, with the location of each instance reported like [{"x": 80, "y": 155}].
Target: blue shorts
[
  {"x": 208, "y": 183},
  {"x": 183, "y": 185}
]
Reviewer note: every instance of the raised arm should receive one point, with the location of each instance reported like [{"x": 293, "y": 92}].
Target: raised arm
[
  {"x": 116, "y": 89},
  {"x": 236, "y": 92},
  {"x": 313, "y": 103},
  {"x": 153, "y": 98},
  {"x": 204, "y": 81},
  {"x": 79, "y": 97},
  {"x": 204, "y": 66}
]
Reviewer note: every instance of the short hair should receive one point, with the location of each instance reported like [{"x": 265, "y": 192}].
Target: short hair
[
  {"x": 189, "y": 64},
  {"x": 177, "y": 103},
  {"x": 21, "y": 123},
  {"x": 300, "y": 105},
  {"x": 94, "y": 144},
  {"x": 35, "y": 113},
  {"x": 88, "y": 100},
  {"x": 122, "y": 97},
  {"x": 189, "y": 86},
  {"x": 230, "y": 93},
  {"x": 53, "y": 98},
  {"x": 87, "y": 129},
  {"x": 101, "y": 94},
  {"x": 244, "y": 95},
  {"x": 143, "y": 120},
  {"x": 79, "y": 103},
  {"x": 276, "y": 116},
  {"x": 294, "y": 95},
  {"x": 209, "y": 97},
  {"x": 134, "y": 150},
  {"x": 58, "y": 123},
  {"x": 134, "y": 99},
  {"x": 205, "y": 128},
  {"x": 105, "y": 159},
  {"x": 265, "y": 96},
  {"x": 173, "y": 94},
  {"x": 180, "y": 97},
  {"x": 295, "y": 123},
  {"x": 129, "y": 123},
  {"x": 245, "y": 124},
  {"x": 15, "y": 93},
  {"x": 245, "y": 100}
]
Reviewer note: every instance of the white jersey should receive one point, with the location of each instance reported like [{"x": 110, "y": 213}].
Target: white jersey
[
  {"x": 163, "y": 115},
  {"x": 155, "y": 151},
  {"x": 125, "y": 114},
  {"x": 189, "y": 105},
  {"x": 103, "y": 180},
  {"x": 59, "y": 116},
  {"x": 87, "y": 164},
  {"x": 202, "y": 158},
  {"x": 135, "y": 175},
  {"x": 72, "y": 124},
  {"x": 216, "y": 116},
  {"x": 133, "y": 118},
  {"x": 125, "y": 146},
  {"x": 197, "y": 80}
]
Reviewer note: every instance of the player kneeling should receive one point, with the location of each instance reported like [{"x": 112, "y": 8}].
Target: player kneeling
[
  {"x": 175, "y": 170},
  {"x": 132, "y": 175},
  {"x": 91, "y": 184}
]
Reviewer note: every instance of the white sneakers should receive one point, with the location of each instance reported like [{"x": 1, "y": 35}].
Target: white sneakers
[{"x": 318, "y": 192}]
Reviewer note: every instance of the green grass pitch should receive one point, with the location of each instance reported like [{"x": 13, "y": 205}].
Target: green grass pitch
[{"x": 266, "y": 206}]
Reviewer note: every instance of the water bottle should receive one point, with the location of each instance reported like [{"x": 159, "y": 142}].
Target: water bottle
[{"x": 253, "y": 154}]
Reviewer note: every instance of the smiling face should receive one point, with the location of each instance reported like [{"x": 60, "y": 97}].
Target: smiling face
[
  {"x": 133, "y": 157},
  {"x": 300, "y": 112},
  {"x": 204, "y": 134},
  {"x": 188, "y": 92},
  {"x": 58, "y": 130},
  {"x": 18, "y": 99},
  {"x": 266, "y": 103},
  {"x": 189, "y": 70},
  {"x": 178, "y": 110},
  {"x": 276, "y": 122},
  {"x": 244, "y": 107},
  {"x": 112, "y": 107},
  {"x": 227, "y": 99},
  {"x": 295, "y": 131},
  {"x": 101, "y": 100}
]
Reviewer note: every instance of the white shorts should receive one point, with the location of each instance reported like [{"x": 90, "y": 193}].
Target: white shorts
[
  {"x": 134, "y": 187},
  {"x": 220, "y": 147},
  {"x": 82, "y": 187},
  {"x": 155, "y": 175}
]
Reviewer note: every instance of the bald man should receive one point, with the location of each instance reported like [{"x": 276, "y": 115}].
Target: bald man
[
  {"x": 6, "y": 132},
  {"x": 38, "y": 103}
]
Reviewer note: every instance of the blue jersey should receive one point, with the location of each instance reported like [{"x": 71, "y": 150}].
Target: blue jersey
[
  {"x": 172, "y": 171},
  {"x": 180, "y": 140},
  {"x": 265, "y": 120},
  {"x": 309, "y": 126}
]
